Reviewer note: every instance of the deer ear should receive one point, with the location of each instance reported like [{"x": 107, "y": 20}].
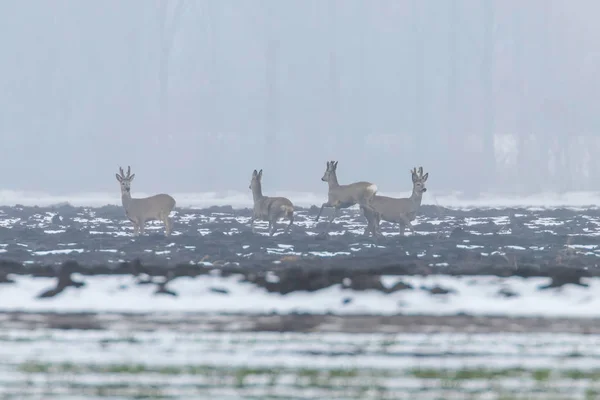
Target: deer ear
[
  {"x": 260, "y": 174},
  {"x": 118, "y": 177},
  {"x": 335, "y": 164},
  {"x": 131, "y": 177},
  {"x": 254, "y": 173},
  {"x": 425, "y": 177}
]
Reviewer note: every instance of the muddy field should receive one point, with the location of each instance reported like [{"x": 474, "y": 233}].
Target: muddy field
[
  {"x": 298, "y": 323},
  {"x": 477, "y": 304},
  {"x": 499, "y": 242}
]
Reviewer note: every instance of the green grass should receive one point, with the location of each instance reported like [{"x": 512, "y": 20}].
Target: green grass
[
  {"x": 538, "y": 375},
  {"x": 353, "y": 382},
  {"x": 240, "y": 373},
  {"x": 313, "y": 374}
]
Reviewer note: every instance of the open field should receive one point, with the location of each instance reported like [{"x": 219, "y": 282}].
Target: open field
[
  {"x": 531, "y": 261},
  {"x": 165, "y": 364},
  {"x": 480, "y": 304}
]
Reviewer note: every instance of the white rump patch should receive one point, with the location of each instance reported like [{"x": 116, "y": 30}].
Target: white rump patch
[{"x": 372, "y": 188}]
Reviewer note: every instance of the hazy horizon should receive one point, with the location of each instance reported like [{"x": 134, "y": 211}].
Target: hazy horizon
[{"x": 486, "y": 95}]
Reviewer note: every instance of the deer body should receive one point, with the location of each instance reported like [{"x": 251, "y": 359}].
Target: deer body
[
  {"x": 269, "y": 208},
  {"x": 141, "y": 210},
  {"x": 397, "y": 210},
  {"x": 344, "y": 196}
]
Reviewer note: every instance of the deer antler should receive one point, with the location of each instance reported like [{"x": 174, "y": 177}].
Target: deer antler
[
  {"x": 420, "y": 172},
  {"x": 128, "y": 171},
  {"x": 121, "y": 172}
]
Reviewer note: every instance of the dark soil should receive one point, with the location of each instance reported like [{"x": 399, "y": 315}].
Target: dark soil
[
  {"x": 394, "y": 324},
  {"x": 501, "y": 242}
]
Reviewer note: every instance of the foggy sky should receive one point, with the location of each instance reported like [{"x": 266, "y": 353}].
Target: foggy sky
[{"x": 195, "y": 94}]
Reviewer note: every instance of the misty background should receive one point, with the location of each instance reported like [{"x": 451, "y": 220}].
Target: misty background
[{"x": 195, "y": 94}]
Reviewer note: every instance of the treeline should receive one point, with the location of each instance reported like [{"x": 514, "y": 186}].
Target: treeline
[{"x": 487, "y": 95}]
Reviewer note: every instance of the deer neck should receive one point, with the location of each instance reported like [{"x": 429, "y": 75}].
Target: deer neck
[
  {"x": 416, "y": 197},
  {"x": 257, "y": 192},
  {"x": 332, "y": 181},
  {"x": 126, "y": 199}
]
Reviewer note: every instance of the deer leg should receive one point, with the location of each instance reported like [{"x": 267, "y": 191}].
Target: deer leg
[
  {"x": 136, "y": 229},
  {"x": 252, "y": 224},
  {"x": 377, "y": 228},
  {"x": 142, "y": 227},
  {"x": 271, "y": 227},
  {"x": 378, "y": 224},
  {"x": 410, "y": 227},
  {"x": 335, "y": 211},
  {"x": 368, "y": 226},
  {"x": 372, "y": 210},
  {"x": 373, "y": 221},
  {"x": 369, "y": 217},
  {"x": 368, "y": 229},
  {"x": 402, "y": 228},
  {"x": 365, "y": 202},
  {"x": 326, "y": 204},
  {"x": 291, "y": 217},
  {"x": 167, "y": 222}
]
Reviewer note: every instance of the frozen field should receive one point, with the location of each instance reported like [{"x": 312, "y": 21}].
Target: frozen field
[
  {"x": 480, "y": 304},
  {"x": 516, "y": 262},
  {"x": 77, "y": 364},
  {"x": 480, "y": 295}
]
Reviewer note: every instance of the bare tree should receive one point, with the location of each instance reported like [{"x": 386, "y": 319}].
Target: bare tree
[
  {"x": 168, "y": 26},
  {"x": 419, "y": 77},
  {"x": 271, "y": 78},
  {"x": 334, "y": 76},
  {"x": 487, "y": 76},
  {"x": 452, "y": 131}
]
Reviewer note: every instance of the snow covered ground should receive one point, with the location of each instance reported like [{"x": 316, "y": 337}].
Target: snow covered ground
[
  {"x": 472, "y": 295},
  {"x": 159, "y": 360},
  {"x": 81, "y": 364}
]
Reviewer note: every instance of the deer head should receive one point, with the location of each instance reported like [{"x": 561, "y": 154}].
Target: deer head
[
  {"x": 419, "y": 180},
  {"x": 255, "y": 181},
  {"x": 125, "y": 180},
  {"x": 330, "y": 171}
]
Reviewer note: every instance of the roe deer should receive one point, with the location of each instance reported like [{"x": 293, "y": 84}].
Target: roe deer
[
  {"x": 269, "y": 208},
  {"x": 401, "y": 211},
  {"x": 157, "y": 207},
  {"x": 344, "y": 196}
]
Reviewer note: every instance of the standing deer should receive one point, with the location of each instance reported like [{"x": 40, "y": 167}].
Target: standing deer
[
  {"x": 401, "y": 211},
  {"x": 157, "y": 207},
  {"x": 269, "y": 208},
  {"x": 344, "y": 196}
]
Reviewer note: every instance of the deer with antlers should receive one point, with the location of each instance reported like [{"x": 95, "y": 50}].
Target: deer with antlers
[
  {"x": 344, "y": 196},
  {"x": 401, "y": 211},
  {"x": 269, "y": 208},
  {"x": 139, "y": 211}
]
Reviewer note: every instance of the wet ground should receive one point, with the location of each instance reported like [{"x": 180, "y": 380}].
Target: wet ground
[
  {"x": 130, "y": 363},
  {"x": 446, "y": 241},
  {"x": 105, "y": 348},
  {"x": 308, "y": 323}
]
